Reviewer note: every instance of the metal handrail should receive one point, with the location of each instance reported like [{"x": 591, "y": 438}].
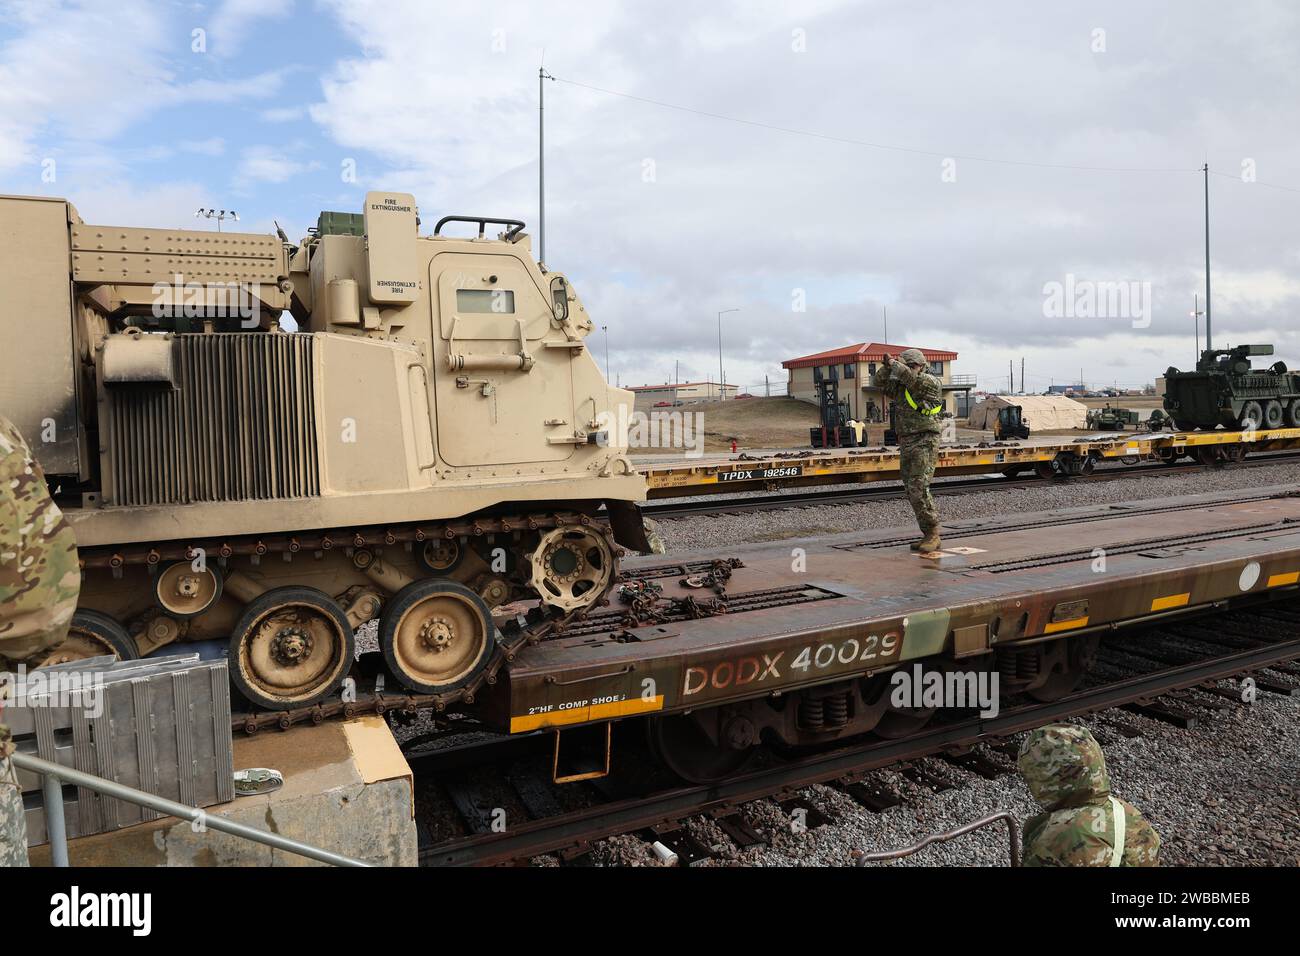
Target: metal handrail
[
  {"x": 1013, "y": 829},
  {"x": 53, "y": 776}
]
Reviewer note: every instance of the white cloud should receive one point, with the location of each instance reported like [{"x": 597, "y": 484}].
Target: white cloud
[
  {"x": 82, "y": 73},
  {"x": 270, "y": 164}
]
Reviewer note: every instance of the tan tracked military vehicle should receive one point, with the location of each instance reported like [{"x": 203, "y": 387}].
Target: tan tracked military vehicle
[{"x": 276, "y": 443}]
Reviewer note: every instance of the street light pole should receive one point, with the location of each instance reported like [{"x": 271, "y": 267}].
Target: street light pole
[
  {"x": 722, "y": 392},
  {"x": 605, "y": 329},
  {"x": 1206, "y": 170},
  {"x": 542, "y": 76}
]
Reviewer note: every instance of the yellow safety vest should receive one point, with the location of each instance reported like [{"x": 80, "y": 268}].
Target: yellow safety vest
[{"x": 924, "y": 411}]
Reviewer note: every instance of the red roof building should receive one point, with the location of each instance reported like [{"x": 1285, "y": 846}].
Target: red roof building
[
  {"x": 851, "y": 368},
  {"x": 864, "y": 352}
]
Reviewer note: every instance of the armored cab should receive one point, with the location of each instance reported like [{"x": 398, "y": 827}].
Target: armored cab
[
  {"x": 1225, "y": 390},
  {"x": 278, "y": 442}
]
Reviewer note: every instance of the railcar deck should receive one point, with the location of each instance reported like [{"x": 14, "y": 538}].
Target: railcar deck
[{"x": 802, "y": 613}]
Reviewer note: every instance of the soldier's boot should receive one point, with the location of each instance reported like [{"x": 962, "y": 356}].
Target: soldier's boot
[
  {"x": 916, "y": 545},
  {"x": 930, "y": 542}
]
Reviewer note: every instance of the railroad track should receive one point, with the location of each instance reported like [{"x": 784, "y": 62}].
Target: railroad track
[
  {"x": 710, "y": 505},
  {"x": 1152, "y": 671}
]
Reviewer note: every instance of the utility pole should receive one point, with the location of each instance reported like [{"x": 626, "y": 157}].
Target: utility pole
[
  {"x": 542, "y": 75},
  {"x": 605, "y": 329},
  {"x": 1022, "y": 375},
  {"x": 884, "y": 312},
  {"x": 722, "y": 393},
  {"x": 1011, "y": 377},
  {"x": 1206, "y": 170}
]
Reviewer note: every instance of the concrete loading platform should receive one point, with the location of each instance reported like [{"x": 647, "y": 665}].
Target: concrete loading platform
[
  {"x": 347, "y": 788},
  {"x": 799, "y": 614}
]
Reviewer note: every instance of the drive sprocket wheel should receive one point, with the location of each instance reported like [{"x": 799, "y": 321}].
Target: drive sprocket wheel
[{"x": 572, "y": 568}]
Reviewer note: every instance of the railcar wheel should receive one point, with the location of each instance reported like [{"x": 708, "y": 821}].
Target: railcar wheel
[
  {"x": 441, "y": 555},
  {"x": 572, "y": 568},
  {"x": 1068, "y": 669},
  {"x": 91, "y": 634},
  {"x": 436, "y": 635},
  {"x": 1293, "y": 413},
  {"x": 183, "y": 592},
  {"x": 1045, "y": 470},
  {"x": 1274, "y": 415},
  {"x": 895, "y": 724},
  {"x": 681, "y": 745},
  {"x": 1252, "y": 415},
  {"x": 291, "y": 648}
]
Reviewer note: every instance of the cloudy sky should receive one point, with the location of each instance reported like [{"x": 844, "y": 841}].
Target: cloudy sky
[{"x": 980, "y": 170}]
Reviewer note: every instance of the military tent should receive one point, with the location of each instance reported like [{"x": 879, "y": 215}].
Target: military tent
[{"x": 1040, "y": 412}]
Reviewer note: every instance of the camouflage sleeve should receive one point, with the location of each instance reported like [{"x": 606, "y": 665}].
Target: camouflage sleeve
[
  {"x": 1141, "y": 842},
  {"x": 880, "y": 377},
  {"x": 906, "y": 377},
  {"x": 1075, "y": 837},
  {"x": 40, "y": 578}
]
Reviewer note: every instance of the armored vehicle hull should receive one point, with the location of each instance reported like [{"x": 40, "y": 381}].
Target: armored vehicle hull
[
  {"x": 277, "y": 443},
  {"x": 1225, "y": 391}
]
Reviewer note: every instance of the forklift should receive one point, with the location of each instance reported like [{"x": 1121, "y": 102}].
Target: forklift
[
  {"x": 1010, "y": 424},
  {"x": 834, "y": 430}
]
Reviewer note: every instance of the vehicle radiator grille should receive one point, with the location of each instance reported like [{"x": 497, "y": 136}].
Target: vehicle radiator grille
[{"x": 240, "y": 425}]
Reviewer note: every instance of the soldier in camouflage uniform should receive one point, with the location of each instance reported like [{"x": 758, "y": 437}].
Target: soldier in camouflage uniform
[
  {"x": 39, "y": 583},
  {"x": 919, "y": 398},
  {"x": 1066, "y": 772}
]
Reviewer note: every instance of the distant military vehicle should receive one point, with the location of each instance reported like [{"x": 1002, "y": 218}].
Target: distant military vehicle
[
  {"x": 432, "y": 439},
  {"x": 1225, "y": 390},
  {"x": 1110, "y": 419},
  {"x": 1010, "y": 423}
]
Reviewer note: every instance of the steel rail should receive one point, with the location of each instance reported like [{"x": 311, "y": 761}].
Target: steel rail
[{"x": 622, "y": 816}]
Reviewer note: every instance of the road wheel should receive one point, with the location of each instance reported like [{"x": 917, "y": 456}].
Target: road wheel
[
  {"x": 291, "y": 648},
  {"x": 436, "y": 635},
  {"x": 1274, "y": 415},
  {"x": 1252, "y": 415},
  {"x": 91, "y": 634},
  {"x": 1293, "y": 413}
]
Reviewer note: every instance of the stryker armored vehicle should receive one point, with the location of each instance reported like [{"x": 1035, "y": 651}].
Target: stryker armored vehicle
[
  {"x": 1225, "y": 390},
  {"x": 277, "y": 443}
]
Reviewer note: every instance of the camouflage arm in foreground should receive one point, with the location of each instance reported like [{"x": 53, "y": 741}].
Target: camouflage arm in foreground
[{"x": 40, "y": 578}]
